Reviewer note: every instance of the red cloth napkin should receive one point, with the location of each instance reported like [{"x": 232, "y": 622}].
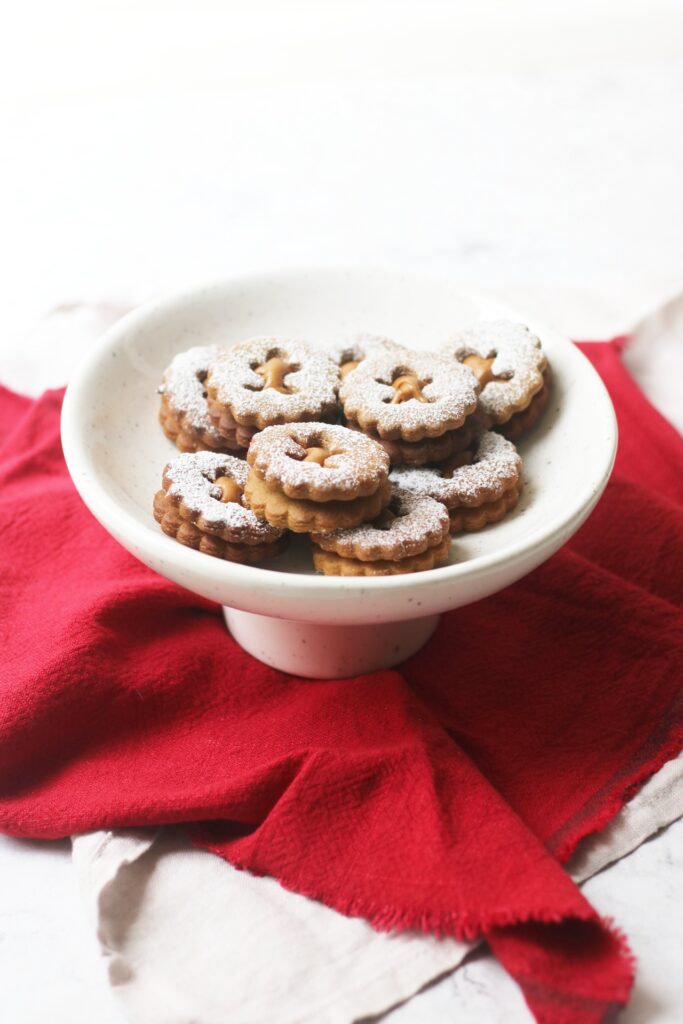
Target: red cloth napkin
[{"x": 443, "y": 796}]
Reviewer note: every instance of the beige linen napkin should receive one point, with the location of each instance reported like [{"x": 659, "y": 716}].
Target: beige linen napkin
[{"x": 188, "y": 938}]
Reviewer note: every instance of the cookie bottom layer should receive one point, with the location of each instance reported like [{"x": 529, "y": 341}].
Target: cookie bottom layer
[
  {"x": 240, "y": 434},
  {"x": 429, "y": 449},
  {"x": 303, "y": 516},
  {"x": 331, "y": 564},
  {"x": 173, "y": 525},
  {"x": 471, "y": 519},
  {"x": 191, "y": 439},
  {"x": 237, "y": 435}
]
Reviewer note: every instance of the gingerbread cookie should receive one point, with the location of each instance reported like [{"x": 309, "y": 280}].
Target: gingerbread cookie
[
  {"x": 477, "y": 487},
  {"x": 184, "y": 415},
  {"x": 315, "y": 477},
  {"x": 201, "y": 504},
  {"x": 265, "y": 381},
  {"x": 411, "y": 535},
  {"x": 409, "y": 395},
  {"x": 512, "y": 369}
]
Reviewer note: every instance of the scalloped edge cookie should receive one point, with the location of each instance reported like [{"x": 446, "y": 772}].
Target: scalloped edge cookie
[
  {"x": 186, "y": 533},
  {"x": 302, "y": 516},
  {"x": 331, "y": 564}
]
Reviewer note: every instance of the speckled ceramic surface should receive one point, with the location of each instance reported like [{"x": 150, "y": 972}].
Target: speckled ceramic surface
[{"x": 116, "y": 450}]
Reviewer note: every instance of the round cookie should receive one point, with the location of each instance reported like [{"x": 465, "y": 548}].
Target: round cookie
[
  {"x": 411, "y": 535},
  {"x": 409, "y": 395},
  {"x": 201, "y": 505},
  {"x": 267, "y": 381},
  {"x": 184, "y": 415},
  {"x": 477, "y": 487},
  {"x": 311, "y": 477},
  {"x": 512, "y": 369}
]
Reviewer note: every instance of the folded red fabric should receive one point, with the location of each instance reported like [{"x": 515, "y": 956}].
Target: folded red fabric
[{"x": 442, "y": 796}]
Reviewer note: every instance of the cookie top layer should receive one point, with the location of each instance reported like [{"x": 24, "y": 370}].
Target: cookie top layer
[
  {"x": 411, "y": 524},
  {"x": 409, "y": 395},
  {"x": 207, "y": 487},
  {"x": 265, "y": 381},
  {"x": 183, "y": 387},
  {"x": 495, "y": 467},
  {"x": 508, "y": 361},
  {"x": 349, "y": 354},
  {"x": 318, "y": 461}
]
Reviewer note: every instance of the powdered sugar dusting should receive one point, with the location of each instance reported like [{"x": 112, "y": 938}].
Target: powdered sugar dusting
[
  {"x": 450, "y": 389},
  {"x": 360, "y": 466},
  {"x": 496, "y": 466},
  {"x": 420, "y": 523},
  {"x": 313, "y": 382},
  {"x": 519, "y": 359},
  {"x": 191, "y": 478},
  {"x": 183, "y": 386},
  {"x": 361, "y": 347}
]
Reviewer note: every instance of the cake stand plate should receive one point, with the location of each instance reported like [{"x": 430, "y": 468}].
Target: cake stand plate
[{"x": 283, "y": 613}]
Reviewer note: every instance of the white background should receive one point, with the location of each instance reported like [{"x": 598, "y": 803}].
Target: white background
[
  {"x": 531, "y": 147},
  {"x": 147, "y": 145}
]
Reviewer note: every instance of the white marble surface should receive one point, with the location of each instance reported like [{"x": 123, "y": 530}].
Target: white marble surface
[
  {"x": 528, "y": 147},
  {"x": 50, "y": 966},
  {"x": 50, "y": 971},
  {"x": 643, "y": 894}
]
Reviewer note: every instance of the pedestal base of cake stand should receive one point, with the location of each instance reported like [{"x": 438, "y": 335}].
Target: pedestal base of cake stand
[{"x": 317, "y": 651}]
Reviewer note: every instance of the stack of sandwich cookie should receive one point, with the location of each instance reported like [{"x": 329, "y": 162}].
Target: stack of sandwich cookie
[
  {"x": 411, "y": 535},
  {"x": 513, "y": 371},
  {"x": 201, "y": 504},
  {"x": 184, "y": 415},
  {"x": 437, "y": 418},
  {"x": 419, "y": 406},
  {"x": 310, "y": 477},
  {"x": 267, "y": 381}
]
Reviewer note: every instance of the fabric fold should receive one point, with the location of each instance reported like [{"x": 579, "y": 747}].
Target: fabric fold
[{"x": 441, "y": 797}]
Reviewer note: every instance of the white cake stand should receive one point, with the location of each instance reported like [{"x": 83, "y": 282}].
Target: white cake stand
[{"x": 285, "y": 615}]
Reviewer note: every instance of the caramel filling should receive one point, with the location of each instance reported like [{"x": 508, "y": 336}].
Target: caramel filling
[
  {"x": 482, "y": 368},
  {"x": 320, "y": 455},
  {"x": 230, "y": 489},
  {"x": 345, "y": 368},
  {"x": 405, "y": 387},
  {"x": 274, "y": 372}
]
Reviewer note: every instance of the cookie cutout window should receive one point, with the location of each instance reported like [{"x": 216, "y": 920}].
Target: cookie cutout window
[
  {"x": 227, "y": 490},
  {"x": 407, "y": 386},
  {"x": 274, "y": 371},
  {"x": 482, "y": 368}
]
